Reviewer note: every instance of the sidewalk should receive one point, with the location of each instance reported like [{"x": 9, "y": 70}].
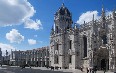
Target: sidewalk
[
  {"x": 2, "y": 68},
  {"x": 68, "y": 70},
  {"x": 62, "y": 70},
  {"x": 43, "y": 68}
]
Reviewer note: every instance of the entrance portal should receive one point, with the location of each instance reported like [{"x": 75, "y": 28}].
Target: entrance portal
[{"x": 103, "y": 64}]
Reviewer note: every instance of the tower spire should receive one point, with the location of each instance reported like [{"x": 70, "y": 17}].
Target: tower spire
[
  {"x": 103, "y": 16},
  {"x": 114, "y": 12},
  {"x": 103, "y": 8},
  {"x": 63, "y": 3},
  {"x": 103, "y": 11}
]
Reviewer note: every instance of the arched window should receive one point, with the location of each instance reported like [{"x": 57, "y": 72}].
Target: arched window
[
  {"x": 104, "y": 38},
  {"x": 70, "y": 58},
  {"x": 56, "y": 29},
  {"x": 70, "y": 44},
  {"x": 57, "y": 47},
  {"x": 56, "y": 59}
]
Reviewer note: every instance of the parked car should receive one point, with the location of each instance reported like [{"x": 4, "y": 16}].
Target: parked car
[{"x": 26, "y": 65}]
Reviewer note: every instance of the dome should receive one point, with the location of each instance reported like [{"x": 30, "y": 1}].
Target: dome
[{"x": 63, "y": 10}]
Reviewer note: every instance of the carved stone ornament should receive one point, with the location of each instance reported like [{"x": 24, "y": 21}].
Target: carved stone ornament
[{"x": 56, "y": 52}]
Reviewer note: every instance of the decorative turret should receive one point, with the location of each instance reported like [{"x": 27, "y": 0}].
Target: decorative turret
[
  {"x": 94, "y": 26},
  {"x": 103, "y": 17},
  {"x": 114, "y": 14},
  {"x": 52, "y": 31},
  {"x": 6, "y": 53},
  {"x": 75, "y": 26},
  {"x": 11, "y": 54},
  {"x": 103, "y": 12},
  {"x": 62, "y": 19}
]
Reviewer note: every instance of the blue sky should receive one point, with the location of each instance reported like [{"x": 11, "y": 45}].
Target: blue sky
[{"x": 26, "y": 24}]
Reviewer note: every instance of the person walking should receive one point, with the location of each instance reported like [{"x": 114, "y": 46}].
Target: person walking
[
  {"x": 93, "y": 70},
  {"x": 81, "y": 68},
  {"x": 90, "y": 69},
  {"x": 104, "y": 69},
  {"x": 87, "y": 70}
]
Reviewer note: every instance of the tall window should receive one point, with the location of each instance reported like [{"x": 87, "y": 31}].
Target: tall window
[
  {"x": 70, "y": 58},
  {"x": 104, "y": 38},
  {"x": 41, "y": 54},
  {"x": 56, "y": 29},
  {"x": 70, "y": 44},
  {"x": 45, "y": 52},
  {"x": 56, "y": 59},
  {"x": 85, "y": 46},
  {"x": 57, "y": 46}
]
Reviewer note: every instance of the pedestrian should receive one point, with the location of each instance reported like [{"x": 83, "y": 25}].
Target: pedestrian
[
  {"x": 104, "y": 69},
  {"x": 93, "y": 70},
  {"x": 87, "y": 70},
  {"x": 1, "y": 64},
  {"x": 90, "y": 69},
  {"x": 81, "y": 68}
]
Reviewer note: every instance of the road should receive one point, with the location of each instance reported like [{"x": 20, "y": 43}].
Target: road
[{"x": 8, "y": 69}]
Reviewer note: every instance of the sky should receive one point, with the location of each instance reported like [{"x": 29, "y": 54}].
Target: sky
[{"x": 26, "y": 24}]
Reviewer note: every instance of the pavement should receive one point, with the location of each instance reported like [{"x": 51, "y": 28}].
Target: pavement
[
  {"x": 16, "y": 69},
  {"x": 69, "y": 70}
]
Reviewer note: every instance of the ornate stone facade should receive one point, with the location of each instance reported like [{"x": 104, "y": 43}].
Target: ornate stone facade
[{"x": 74, "y": 47}]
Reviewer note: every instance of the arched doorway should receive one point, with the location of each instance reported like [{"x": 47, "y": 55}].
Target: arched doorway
[
  {"x": 102, "y": 58},
  {"x": 37, "y": 63},
  {"x": 103, "y": 64}
]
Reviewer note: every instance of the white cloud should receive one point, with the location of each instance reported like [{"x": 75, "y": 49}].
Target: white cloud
[
  {"x": 5, "y": 47},
  {"x": 31, "y": 41},
  {"x": 14, "y": 36},
  {"x": 108, "y": 12},
  {"x": 33, "y": 24},
  {"x": 40, "y": 41},
  {"x": 87, "y": 16},
  {"x": 13, "y": 12}
]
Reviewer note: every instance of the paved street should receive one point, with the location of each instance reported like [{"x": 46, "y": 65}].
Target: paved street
[
  {"x": 7, "y": 69},
  {"x": 14, "y": 69}
]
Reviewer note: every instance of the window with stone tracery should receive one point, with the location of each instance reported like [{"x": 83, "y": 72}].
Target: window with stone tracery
[
  {"x": 56, "y": 29},
  {"x": 70, "y": 58},
  {"x": 57, "y": 46},
  {"x": 70, "y": 44},
  {"x": 85, "y": 46},
  {"x": 56, "y": 59}
]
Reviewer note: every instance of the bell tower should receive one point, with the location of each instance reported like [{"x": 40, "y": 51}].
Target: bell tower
[
  {"x": 58, "y": 37},
  {"x": 62, "y": 19}
]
